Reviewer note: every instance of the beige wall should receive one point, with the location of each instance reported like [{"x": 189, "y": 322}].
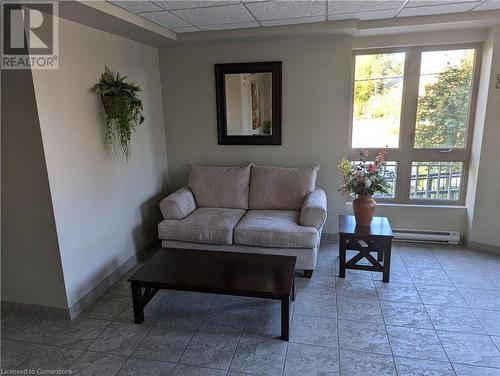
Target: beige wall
[
  {"x": 316, "y": 86},
  {"x": 31, "y": 265},
  {"x": 316, "y": 107},
  {"x": 105, "y": 210},
  {"x": 484, "y": 203}
]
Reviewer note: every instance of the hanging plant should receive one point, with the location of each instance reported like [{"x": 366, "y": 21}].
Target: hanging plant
[{"x": 122, "y": 109}]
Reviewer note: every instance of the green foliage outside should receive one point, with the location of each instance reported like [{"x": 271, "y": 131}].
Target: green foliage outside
[
  {"x": 443, "y": 109},
  {"x": 370, "y": 85}
]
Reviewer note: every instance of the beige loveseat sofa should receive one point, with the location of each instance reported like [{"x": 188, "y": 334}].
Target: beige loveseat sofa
[{"x": 255, "y": 209}]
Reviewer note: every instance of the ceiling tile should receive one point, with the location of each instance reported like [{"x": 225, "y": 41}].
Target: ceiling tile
[
  {"x": 423, "y": 3},
  {"x": 292, "y": 21},
  {"x": 437, "y": 9},
  {"x": 189, "y": 4},
  {"x": 286, "y": 9},
  {"x": 165, "y": 19},
  {"x": 369, "y": 15},
  {"x": 215, "y": 15},
  {"x": 241, "y": 25},
  {"x": 489, "y": 5},
  {"x": 187, "y": 29},
  {"x": 361, "y": 6},
  {"x": 137, "y": 6}
]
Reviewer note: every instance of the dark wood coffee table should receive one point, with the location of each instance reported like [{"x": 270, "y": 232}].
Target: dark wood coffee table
[
  {"x": 244, "y": 274},
  {"x": 375, "y": 238}
]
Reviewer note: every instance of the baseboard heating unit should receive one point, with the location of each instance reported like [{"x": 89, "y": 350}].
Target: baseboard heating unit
[{"x": 427, "y": 236}]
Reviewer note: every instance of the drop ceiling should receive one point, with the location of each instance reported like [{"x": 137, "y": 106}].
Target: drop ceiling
[{"x": 204, "y": 15}]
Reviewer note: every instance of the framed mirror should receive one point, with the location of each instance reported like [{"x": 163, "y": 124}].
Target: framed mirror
[{"x": 249, "y": 103}]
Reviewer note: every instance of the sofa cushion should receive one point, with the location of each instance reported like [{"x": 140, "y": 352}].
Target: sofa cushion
[
  {"x": 204, "y": 225},
  {"x": 281, "y": 188},
  {"x": 220, "y": 187},
  {"x": 274, "y": 228}
]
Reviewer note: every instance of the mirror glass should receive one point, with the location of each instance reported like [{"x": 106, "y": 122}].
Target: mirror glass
[{"x": 249, "y": 104}]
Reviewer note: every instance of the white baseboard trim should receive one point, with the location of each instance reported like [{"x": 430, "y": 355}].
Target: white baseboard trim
[
  {"x": 111, "y": 279},
  {"x": 484, "y": 247},
  {"x": 34, "y": 309},
  {"x": 88, "y": 299},
  {"x": 77, "y": 308}
]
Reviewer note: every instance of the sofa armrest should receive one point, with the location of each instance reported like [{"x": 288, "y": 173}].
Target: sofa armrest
[
  {"x": 178, "y": 205},
  {"x": 313, "y": 211}
]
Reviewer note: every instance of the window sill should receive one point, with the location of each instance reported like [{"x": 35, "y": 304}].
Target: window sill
[{"x": 429, "y": 206}]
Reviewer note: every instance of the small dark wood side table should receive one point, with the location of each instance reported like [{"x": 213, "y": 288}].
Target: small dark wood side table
[{"x": 375, "y": 238}]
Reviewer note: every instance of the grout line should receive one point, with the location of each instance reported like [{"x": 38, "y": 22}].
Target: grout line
[
  {"x": 239, "y": 338},
  {"x": 194, "y": 332},
  {"x": 329, "y": 262},
  {"x": 385, "y": 326},
  {"x": 433, "y": 326},
  {"x": 472, "y": 310},
  {"x": 145, "y": 335}
]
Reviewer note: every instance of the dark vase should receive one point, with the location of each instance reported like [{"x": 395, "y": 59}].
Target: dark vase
[{"x": 364, "y": 208}]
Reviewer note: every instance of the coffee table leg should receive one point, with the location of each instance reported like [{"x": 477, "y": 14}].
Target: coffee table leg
[
  {"x": 285, "y": 318},
  {"x": 387, "y": 261},
  {"x": 136, "y": 303},
  {"x": 342, "y": 256}
]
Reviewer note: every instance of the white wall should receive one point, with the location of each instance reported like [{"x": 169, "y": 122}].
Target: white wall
[
  {"x": 105, "y": 210},
  {"x": 316, "y": 86},
  {"x": 484, "y": 205}
]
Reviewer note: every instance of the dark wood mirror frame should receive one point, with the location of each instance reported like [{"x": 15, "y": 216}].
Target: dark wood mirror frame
[{"x": 260, "y": 67}]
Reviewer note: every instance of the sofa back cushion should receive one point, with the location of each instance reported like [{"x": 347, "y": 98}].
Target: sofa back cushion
[
  {"x": 281, "y": 188},
  {"x": 220, "y": 187}
]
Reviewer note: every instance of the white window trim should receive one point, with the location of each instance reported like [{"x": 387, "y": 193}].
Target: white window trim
[{"x": 405, "y": 154}]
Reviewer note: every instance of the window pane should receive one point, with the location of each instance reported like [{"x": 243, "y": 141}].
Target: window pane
[
  {"x": 436, "y": 180},
  {"x": 390, "y": 174},
  {"x": 443, "y": 98},
  {"x": 378, "y": 90},
  {"x": 390, "y": 171}
]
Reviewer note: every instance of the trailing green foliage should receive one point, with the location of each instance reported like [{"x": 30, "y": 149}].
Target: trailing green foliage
[{"x": 123, "y": 111}]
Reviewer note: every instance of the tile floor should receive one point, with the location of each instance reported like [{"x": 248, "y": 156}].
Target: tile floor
[{"x": 439, "y": 315}]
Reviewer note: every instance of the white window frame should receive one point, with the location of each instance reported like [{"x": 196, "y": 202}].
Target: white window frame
[{"x": 405, "y": 153}]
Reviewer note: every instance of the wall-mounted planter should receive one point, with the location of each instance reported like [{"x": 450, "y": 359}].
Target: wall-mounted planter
[{"x": 122, "y": 109}]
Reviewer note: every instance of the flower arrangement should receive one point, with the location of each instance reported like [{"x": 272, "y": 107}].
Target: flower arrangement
[{"x": 364, "y": 178}]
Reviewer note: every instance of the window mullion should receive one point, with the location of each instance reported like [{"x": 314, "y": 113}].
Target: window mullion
[{"x": 408, "y": 117}]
